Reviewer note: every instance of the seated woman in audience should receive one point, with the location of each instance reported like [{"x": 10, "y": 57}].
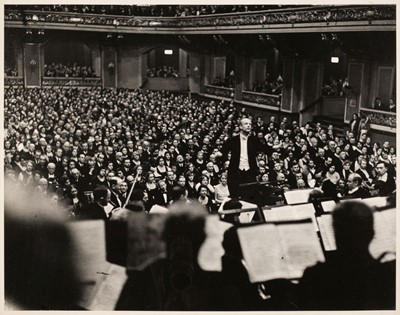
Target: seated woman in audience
[
  {"x": 150, "y": 185},
  {"x": 100, "y": 179},
  {"x": 168, "y": 159},
  {"x": 190, "y": 185},
  {"x": 161, "y": 169},
  {"x": 341, "y": 188},
  {"x": 221, "y": 190},
  {"x": 204, "y": 198},
  {"x": 205, "y": 181},
  {"x": 138, "y": 174},
  {"x": 199, "y": 162}
]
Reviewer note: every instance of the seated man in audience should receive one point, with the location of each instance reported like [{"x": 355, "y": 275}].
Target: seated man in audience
[
  {"x": 161, "y": 196},
  {"x": 383, "y": 181},
  {"x": 95, "y": 210},
  {"x": 355, "y": 184},
  {"x": 350, "y": 279}
]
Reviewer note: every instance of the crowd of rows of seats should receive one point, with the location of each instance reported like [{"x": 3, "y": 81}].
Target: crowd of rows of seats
[{"x": 65, "y": 142}]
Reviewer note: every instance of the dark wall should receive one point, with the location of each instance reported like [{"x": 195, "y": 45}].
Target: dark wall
[
  {"x": 67, "y": 51},
  {"x": 335, "y": 70},
  {"x": 167, "y": 60},
  {"x": 9, "y": 56}
]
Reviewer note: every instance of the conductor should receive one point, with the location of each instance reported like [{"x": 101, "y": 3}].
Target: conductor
[{"x": 242, "y": 166}]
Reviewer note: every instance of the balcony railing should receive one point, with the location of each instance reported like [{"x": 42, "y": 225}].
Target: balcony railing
[
  {"x": 316, "y": 14},
  {"x": 261, "y": 98},
  {"x": 380, "y": 120},
  {"x": 219, "y": 91},
  {"x": 75, "y": 82},
  {"x": 13, "y": 81}
]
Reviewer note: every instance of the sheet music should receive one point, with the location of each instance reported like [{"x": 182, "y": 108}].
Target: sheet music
[
  {"x": 88, "y": 243},
  {"x": 108, "y": 208},
  {"x": 109, "y": 289},
  {"x": 262, "y": 252},
  {"x": 389, "y": 216},
  {"x": 290, "y": 213},
  {"x": 327, "y": 233},
  {"x": 297, "y": 196},
  {"x": 246, "y": 217},
  {"x": 245, "y": 204},
  {"x": 211, "y": 251},
  {"x": 328, "y": 206},
  {"x": 385, "y": 233},
  {"x": 376, "y": 201},
  {"x": 158, "y": 209},
  {"x": 301, "y": 247}
]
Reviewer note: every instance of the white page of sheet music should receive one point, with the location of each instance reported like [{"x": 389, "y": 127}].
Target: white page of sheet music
[
  {"x": 327, "y": 233},
  {"x": 291, "y": 212},
  {"x": 376, "y": 201},
  {"x": 247, "y": 205},
  {"x": 297, "y": 196},
  {"x": 109, "y": 290},
  {"x": 328, "y": 205},
  {"x": 211, "y": 251},
  {"x": 389, "y": 216},
  {"x": 301, "y": 247},
  {"x": 89, "y": 248},
  {"x": 262, "y": 252},
  {"x": 385, "y": 236},
  {"x": 246, "y": 217},
  {"x": 156, "y": 209}
]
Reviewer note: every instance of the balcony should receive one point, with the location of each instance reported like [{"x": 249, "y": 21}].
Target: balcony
[{"x": 311, "y": 19}]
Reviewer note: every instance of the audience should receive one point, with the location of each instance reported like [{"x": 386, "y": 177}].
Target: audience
[
  {"x": 228, "y": 81},
  {"x": 73, "y": 70},
  {"x": 336, "y": 87},
  {"x": 154, "y": 10},
  {"x": 163, "y": 72},
  {"x": 70, "y": 141},
  {"x": 269, "y": 86},
  {"x": 10, "y": 71}
]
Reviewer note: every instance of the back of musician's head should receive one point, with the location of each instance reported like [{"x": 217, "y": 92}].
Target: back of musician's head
[
  {"x": 40, "y": 259},
  {"x": 231, "y": 243},
  {"x": 234, "y": 203},
  {"x": 178, "y": 192},
  {"x": 353, "y": 224},
  {"x": 100, "y": 195},
  {"x": 184, "y": 226}
]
